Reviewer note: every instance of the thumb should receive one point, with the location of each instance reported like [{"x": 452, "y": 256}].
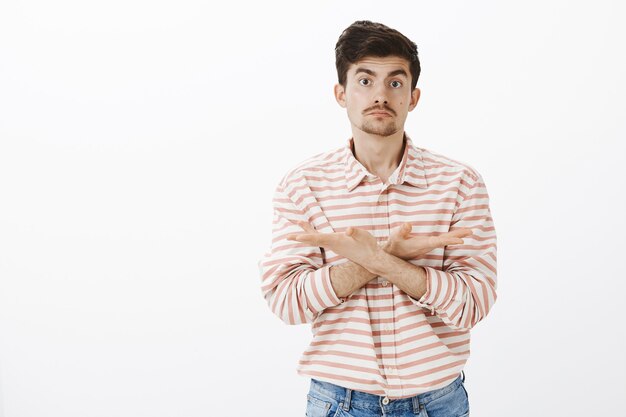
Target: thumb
[
  {"x": 406, "y": 230},
  {"x": 306, "y": 227}
]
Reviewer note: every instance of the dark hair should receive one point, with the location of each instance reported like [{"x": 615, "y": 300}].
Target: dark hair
[{"x": 364, "y": 38}]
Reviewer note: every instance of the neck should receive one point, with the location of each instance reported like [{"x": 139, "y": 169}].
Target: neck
[{"x": 380, "y": 155}]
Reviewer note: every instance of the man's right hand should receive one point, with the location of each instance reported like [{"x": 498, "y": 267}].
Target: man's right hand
[{"x": 402, "y": 246}]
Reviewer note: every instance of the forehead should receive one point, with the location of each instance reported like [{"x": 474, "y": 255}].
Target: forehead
[{"x": 380, "y": 65}]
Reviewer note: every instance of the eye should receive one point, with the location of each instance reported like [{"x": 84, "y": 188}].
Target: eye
[
  {"x": 396, "y": 84},
  {"x": 364, "y": 81}
]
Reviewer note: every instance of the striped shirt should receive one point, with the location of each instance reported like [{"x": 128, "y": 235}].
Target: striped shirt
[{"x": 379, "y": 339}]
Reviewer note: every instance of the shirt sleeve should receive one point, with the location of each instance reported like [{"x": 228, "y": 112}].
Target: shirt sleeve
[
  {"x": 464, "y": 290},
  {"x": 294, "y": 281}
]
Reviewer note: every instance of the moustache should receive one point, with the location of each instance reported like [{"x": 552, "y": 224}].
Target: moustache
[{"x": 384, "y": 108}]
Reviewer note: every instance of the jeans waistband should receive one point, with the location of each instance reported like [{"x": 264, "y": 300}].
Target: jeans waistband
[{"x": 347, "y": 395}]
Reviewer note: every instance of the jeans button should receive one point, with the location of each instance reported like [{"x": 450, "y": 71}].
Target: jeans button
[{"x": 385, "y": 400}]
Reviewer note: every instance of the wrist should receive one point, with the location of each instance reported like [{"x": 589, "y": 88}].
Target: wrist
[{"x": 378, "y": 261}]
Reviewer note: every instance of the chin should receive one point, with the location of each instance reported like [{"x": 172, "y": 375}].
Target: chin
[{"x": 384, "y": 131}]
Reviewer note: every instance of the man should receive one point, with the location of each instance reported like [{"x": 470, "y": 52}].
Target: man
[{"x": 387, "y": 248}]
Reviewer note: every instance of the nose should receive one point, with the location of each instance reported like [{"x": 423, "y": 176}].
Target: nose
[{"x": 380, "y": 95}]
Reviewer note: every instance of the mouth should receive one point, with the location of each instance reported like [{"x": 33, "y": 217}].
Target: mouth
[{"x": 379, "y": 114}]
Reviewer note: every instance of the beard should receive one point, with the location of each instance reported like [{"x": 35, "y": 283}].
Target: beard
[{"x": 379, "y": 128}]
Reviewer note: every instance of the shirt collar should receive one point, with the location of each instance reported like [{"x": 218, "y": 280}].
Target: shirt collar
[{"x": 410, "y": 170}]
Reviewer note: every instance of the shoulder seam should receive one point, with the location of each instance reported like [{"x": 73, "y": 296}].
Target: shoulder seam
[
  {"x": 321, "y": 159},
  {"x": 467, "y": 168}
]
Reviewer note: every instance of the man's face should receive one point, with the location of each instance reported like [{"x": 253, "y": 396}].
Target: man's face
[{"x": 378, "y": 94}]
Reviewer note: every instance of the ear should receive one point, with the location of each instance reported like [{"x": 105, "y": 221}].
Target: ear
[
  {"x": 340, "y": 94},
  {"x": 415, "y": 96}
]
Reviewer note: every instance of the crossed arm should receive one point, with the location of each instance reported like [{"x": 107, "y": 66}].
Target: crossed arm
[
  {"x": 368, "y": 259},
  {"x": 349, "y": 276}
]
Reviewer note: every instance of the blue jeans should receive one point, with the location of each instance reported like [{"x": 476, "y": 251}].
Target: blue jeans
[{"x": 329, "y": 400}]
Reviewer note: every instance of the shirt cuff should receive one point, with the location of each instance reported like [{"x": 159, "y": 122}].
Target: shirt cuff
[
  {"x": 428, "y": 299},
  {"x": 320, "y": 290}
]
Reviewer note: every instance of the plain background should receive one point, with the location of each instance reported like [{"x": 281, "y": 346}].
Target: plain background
[{"x": 140, "y": 144}]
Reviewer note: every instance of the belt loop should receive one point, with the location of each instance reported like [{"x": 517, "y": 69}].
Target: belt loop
[
  {"x": 346, "y": 403},
  {"x": 416, "y": 405},
  {"x": 463, "y": 373}
]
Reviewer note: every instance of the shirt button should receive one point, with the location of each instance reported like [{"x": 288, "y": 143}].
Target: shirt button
[
  {"x": 385, "y": 283},
  {"x": 385, "y": 400}
]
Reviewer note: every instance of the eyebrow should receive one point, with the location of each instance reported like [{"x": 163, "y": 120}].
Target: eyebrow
[{"x": 391, "y": 74}]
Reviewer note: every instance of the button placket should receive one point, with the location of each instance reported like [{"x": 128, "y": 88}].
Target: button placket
[
  {"x": 387, "y": 335},
  {"x": 382, "y": 210}
]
